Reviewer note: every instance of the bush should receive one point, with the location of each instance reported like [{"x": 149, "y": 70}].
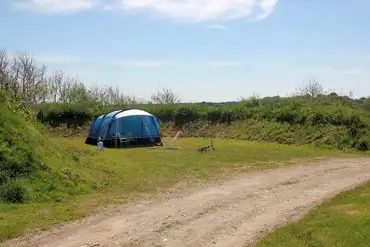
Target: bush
[
  {"x": 223, "y": 115},
  {"x": 185, "y": 115},
  {"x": 4, "y": 178},
  {"x": 72, "y": 115},
  {"x": 363, "y": 145},
  {"x": 13, "y": 193}
]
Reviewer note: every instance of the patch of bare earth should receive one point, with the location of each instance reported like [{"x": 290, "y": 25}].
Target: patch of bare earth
[{"x": 232, "y": 213}]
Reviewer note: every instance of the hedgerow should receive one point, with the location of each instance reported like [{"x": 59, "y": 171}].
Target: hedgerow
[{"x": 320, "y": 111}]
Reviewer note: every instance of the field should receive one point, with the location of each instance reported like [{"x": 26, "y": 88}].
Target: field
[
  {"x": 49, "y": 176},
  {"x": 117, "y": 176}
]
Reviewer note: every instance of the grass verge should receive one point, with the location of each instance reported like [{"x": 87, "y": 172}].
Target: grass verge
[{"x": 342, "y": 221}]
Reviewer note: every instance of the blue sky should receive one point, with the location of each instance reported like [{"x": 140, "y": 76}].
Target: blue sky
[{"x": 212, "y": 50}]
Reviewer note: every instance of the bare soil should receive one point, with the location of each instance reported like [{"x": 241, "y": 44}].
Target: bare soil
[{"x": 236, "y": 212}]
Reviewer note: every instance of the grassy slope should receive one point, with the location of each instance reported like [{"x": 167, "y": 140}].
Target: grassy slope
[
  {"x": 30, "y": 161},
  {"x": 264, "y": 131},
  {"x": 343, "y": 221},
  {"x": 115, "y": 176}
]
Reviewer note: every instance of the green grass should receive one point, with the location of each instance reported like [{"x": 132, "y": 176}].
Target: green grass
[
  {"x": 114, "y": 176},
  {"x": 343, "y": 221}
]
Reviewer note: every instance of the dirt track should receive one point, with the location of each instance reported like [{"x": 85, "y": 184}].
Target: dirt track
[{"x": 232, "y": 213}]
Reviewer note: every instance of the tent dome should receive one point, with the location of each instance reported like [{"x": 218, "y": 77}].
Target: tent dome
[
  {"x": 128, "y": 126},
  {"x": 133, "y": 112}
]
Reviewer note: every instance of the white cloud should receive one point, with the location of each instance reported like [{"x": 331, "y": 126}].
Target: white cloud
[
  {"x": 201, "y": 10},
  {"x": 222, "y": 63},
  {"x": 187, "y": 10},
  {"x": 267, "y": 7},
  {"x": 55, "y": 6},
  {"x": 217, "y": 26}
]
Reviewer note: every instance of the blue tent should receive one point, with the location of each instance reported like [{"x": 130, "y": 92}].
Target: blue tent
[{"x": 125, "y": 127}]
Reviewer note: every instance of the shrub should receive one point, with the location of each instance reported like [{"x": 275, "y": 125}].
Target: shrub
[
  {"x": 13, "y": 193},
  {"x": 186, "y": 114},
  {"x": 363, "y": 145},
  {"x": 4, "y": 178},
  {"x": 214, "y": 115}
]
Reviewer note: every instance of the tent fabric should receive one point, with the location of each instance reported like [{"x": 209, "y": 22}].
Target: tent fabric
[
  {"x": 129, "y": 124},
  {"x": 133, "y": 112}
]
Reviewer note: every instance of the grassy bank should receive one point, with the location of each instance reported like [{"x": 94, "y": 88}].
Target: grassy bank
[
  {"x": 343, "y": 221},
  {"x": 265, "y": 131}
]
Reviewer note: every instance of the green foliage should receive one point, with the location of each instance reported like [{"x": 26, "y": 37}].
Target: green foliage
[
  {"x": 17, "y": 155},
  {"x": 28, "y": 158},
  {"x": 366, "y": 103},
  {"x": 321, "y": 111},
  {"x": 363, "y": 144},
  {"x": 13, "y": 193},
  {"x": 4, "y": 178}
]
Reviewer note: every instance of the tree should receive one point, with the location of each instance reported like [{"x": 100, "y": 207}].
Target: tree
[
  {"x": 77, "y": 93},
  {"x": 29, "y": 76},
  {"x": 312, "y": 89},
  {"x": 4, "y": 69},
  {"x": 165, "y": 96},
  {"x": 55, "y": 82}
]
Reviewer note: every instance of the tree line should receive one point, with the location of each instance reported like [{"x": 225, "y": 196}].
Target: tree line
[
  {"x": 23, "y": 77},
  {"x": 30, "y": 81}
]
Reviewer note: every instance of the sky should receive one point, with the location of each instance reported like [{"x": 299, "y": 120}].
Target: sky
[{"x": 204, "y": 50}]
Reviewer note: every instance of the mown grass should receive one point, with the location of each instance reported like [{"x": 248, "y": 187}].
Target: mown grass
[
  {"x": 344, "y": 221},
  {"x": 82, "y": 179}
]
